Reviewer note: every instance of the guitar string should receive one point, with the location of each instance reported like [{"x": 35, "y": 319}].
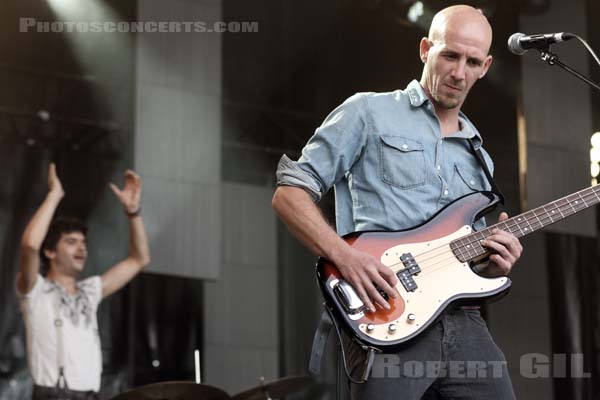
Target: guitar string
[
  {"x": 443, "y": 249},
  {"x": 541, "y": 224},
  {"x": 450, "y": 256},
  {"x": 437, "y": 251},
  {"x": 424, "y": 263},
  {"x": 511, "y": 223},
  {"x": 431, "y": 267},
  {"x": 514, "y": 222},
  {"x": 464, "y": 248}
]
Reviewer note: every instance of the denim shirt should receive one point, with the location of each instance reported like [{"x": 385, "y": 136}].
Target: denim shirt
[{"x": 386, "y": 158}]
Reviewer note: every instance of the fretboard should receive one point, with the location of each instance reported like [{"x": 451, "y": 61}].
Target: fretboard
[{"x": 469, "y": 247}]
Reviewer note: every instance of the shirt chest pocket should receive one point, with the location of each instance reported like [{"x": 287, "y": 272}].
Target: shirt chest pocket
[
  {"x": 469, "y": 180},
  {"x": 402, "y": 162}
]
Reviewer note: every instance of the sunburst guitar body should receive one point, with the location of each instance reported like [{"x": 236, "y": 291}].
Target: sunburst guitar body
[{"x": 433, "y": 262}]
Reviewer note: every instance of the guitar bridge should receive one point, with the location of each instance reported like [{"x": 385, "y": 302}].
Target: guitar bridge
[{"x": 348, "y": 298}]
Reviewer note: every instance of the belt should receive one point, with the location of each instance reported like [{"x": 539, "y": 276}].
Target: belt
[{"x": 56, "y": 393}]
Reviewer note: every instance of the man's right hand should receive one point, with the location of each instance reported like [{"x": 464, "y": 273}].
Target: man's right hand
[
  {"x": 363, "y": 271},
  {"x": 54, "y": 185},
  {"x": 35, "y": 232},
  {"x": 295, "y": 207}
]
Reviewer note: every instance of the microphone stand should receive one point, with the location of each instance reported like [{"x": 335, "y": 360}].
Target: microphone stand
[{"x": 552, "y": 59}]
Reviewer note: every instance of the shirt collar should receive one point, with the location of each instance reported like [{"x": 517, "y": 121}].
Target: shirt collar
[
  {"x": 468, "y": 130},
  {"x": 416, "y": 94},
  {"x": 418, "y": 97}
]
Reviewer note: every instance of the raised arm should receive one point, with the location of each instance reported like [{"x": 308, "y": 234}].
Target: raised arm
[
  {"x": 139, "y": 254},
  {"x": 295, "y": 207},
  {"x": 35, "y": 232}
]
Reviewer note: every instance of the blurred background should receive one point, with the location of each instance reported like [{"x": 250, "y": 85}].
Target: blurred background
[{"x": 205, "y": 116}]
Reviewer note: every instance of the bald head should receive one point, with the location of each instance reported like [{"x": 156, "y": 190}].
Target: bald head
[
  {"x": 455, "y": 55},
  {"x": 464, "y": 21}
]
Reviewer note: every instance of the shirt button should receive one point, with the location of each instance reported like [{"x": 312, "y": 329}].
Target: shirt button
[
  {"x": 404, "y": 146},
  {"x": 439, "y": 167},
  {"x": 445, "y": 193},
  {"x": 472, "y": 182}
]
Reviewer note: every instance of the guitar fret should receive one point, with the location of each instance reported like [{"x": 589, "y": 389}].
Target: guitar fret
[
  {"x": 518, "y": 225},
  {"x": 592, "y": 196},
  {"x": 540, "y": 222},
  {"x": 560, "y": 211},
  {"x": 575, "y": 204},
  {"x": 460, "y": 254},
  {"x": 461, "y": 248},
  {"x": 470, "y": 246},
  {"x": 473, "y": 252},
  {"x": 571, "y": 205},
  {"x": 548, "y": 217},
  {"x": 548, "y": 214},
  {"x": 464, "y": 253},
  {"x": 527, "y": 220},
  {"x": 511, "y": 229},
  {"x": 583, "y": 199},
  {"x": 538, "y": 218},
  {"x": 458, "y": 245}
]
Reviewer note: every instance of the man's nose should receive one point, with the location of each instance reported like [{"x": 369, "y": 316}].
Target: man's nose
[{"x": 458, "y": 72}]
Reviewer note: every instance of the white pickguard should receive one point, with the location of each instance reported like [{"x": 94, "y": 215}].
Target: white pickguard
[{"x": 437, "y": 284}]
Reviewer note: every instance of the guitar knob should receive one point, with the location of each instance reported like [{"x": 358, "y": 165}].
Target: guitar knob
[
  {"x": 392, "y": 328},
  {"x": 370, "y": 328},
  {"x": 411, "y": 318}
]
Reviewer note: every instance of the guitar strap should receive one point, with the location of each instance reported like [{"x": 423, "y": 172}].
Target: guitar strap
[
  {"x": 319, "y": 341},
  {"x": 479, "y": 156},
  {"x": 318, "y": 348}
]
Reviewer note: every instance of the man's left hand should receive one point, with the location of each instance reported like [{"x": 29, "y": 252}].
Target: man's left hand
[
  {"x": 131, "y": 193},
  {"x": 505, "y": 248}
]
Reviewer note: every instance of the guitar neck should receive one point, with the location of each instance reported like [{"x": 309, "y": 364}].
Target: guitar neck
[{"x": 469, "y": 248}]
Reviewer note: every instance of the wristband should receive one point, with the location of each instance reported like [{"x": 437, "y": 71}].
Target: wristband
[{"x": 135, "y": 213}]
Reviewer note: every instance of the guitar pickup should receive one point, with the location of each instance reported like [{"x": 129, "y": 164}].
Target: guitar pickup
[
  {"x": 406, "y": 279},
  {"x": 406, "y": 275},
  {"x": 410, "y": 263}
]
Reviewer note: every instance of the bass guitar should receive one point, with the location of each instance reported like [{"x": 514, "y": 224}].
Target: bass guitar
[{"x": 433, "y": 264}]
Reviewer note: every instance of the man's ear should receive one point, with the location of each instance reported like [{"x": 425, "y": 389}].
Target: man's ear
[
  {"x": 50, "y": 254},
  {"x": 424, "y": 47},
  {"x": 486, "y": 66}
]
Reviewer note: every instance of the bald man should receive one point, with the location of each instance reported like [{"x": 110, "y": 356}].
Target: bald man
[{"x": 395, "y": 159}]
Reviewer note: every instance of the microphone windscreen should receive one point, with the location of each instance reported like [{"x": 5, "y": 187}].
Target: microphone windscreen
[{"x": 513, "y": 44}]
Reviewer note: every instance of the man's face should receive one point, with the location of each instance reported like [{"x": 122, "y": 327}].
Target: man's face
[
  {"x": 453, "y": 63},
  {"x": 70, "y": 253}
]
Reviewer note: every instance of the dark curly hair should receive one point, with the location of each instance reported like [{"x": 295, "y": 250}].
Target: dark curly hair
[{"x": 58, "y": 227}]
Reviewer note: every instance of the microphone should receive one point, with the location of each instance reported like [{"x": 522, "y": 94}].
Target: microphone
[{"x": 519, "y": 43}]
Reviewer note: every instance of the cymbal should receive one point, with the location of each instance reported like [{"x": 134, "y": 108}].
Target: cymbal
[
  {"x": 174, "y": 391},
  {"x": 275, "y": 389}
]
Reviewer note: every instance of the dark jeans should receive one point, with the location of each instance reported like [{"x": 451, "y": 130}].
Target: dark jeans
[
  {"x": 455, "y": 358},
  {"x": 55, "y": 393}
]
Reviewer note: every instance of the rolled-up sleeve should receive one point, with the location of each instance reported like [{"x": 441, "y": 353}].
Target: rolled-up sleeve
[
  {"x": 290, "y": 174},
  {"x": 330, "y": 152}
]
